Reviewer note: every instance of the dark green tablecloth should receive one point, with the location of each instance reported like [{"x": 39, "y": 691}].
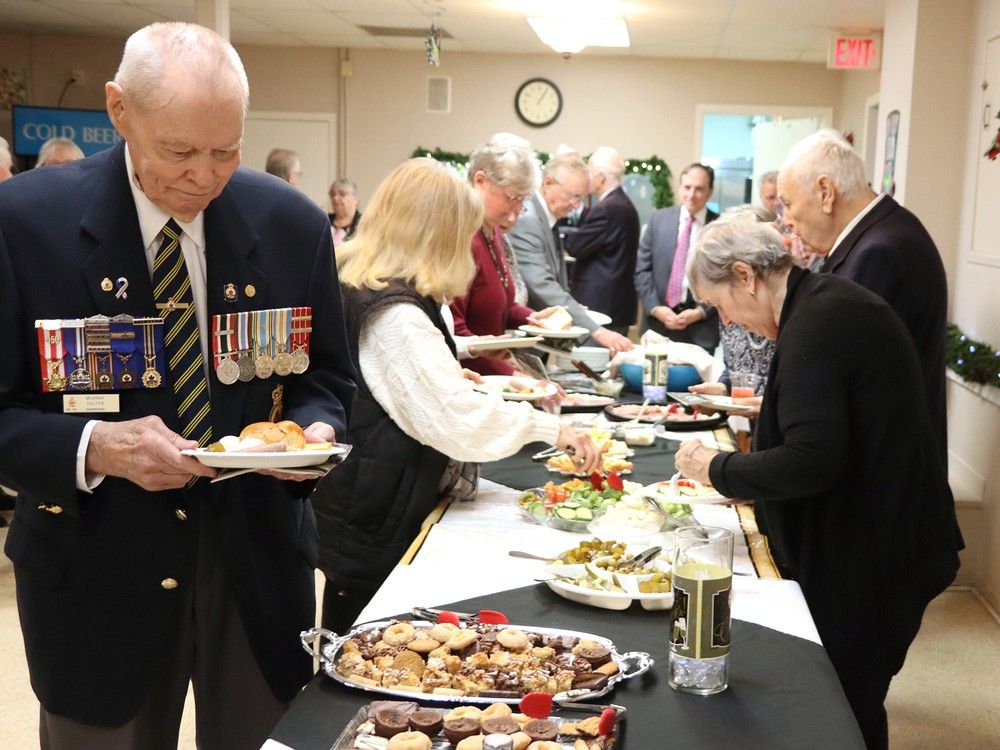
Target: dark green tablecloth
[{"x": 783, "y": 692}]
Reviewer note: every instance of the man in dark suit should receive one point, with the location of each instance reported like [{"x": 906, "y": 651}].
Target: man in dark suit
[
  {"x": 668, "y": 305},
  {"x": 605, "y": 244},
  {"x": 875, "y": 242},
  {"x": 134, "y": 574}
]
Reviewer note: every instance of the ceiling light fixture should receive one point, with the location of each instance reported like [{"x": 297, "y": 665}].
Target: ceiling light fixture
[{"x": 567, "y": 26}]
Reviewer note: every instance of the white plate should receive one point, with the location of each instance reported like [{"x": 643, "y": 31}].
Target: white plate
[
  {"x": 572, "y": 332},
  {"x": 600, "y": 318},
  {"x": 609, "y": 599},
  {"x": 496, "y": 384},
  {"x": 719, "y": 403},
  {"x": 273, "y": 460},
  {"x": 663, "y": 491},
  {"x": 485, "y": 344}
]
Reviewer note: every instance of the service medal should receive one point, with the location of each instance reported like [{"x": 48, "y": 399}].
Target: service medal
[
  {"x": 56, "y": 381},
  {"x": 126, "y": 379},
  {"x": 264, "y": 366},
  {"x": 283, "y": 363},
  {"x": 228, "y": 371},
  {"x": 80, "y": 380},
  {"x": 151, "y": 378},
  {"x": 300, "y": 361},
  {"x": 247, "y": 370}
]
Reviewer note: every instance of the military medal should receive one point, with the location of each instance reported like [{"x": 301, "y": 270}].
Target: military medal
[
  {"x": 79, "y": 378},
  {"x": 300, "y": 339},
  {"x": 51, "y": 354},
  {"x": 244, "y": 363},
  {"x": 263, "y": 364},
  {"x": 229, "y": 293},
  {"x": 126, "y": 378},
  {"x": 151, "y": 377},
  {"x": 226, "y": 368},
  {"x": 97, "y": 332},
  {"x": 282, "y": 328}
]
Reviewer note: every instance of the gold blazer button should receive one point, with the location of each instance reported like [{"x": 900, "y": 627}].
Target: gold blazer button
[
  {"x": 181, "y": 514},
  {"x": 168, "y": 583}
]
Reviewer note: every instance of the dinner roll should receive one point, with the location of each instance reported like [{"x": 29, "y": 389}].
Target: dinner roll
[{"x": 285, "y": 432}]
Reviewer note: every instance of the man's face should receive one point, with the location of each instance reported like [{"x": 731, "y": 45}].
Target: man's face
[
  {"x": 566, "y": 193},
  {"x": 803, "y": 213},
  {"x": 184, "y": 152},
  {"x": 695, "y": 190},
  {"x": 296, "y": 174},
  {"x": 5, "y": 173},
  {"x": 769, "y": 196}
]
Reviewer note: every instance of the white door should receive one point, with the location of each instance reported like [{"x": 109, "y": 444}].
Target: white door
[
  {"x": 313, "y": 135},
  {"x": 772, "y": 142},
  {"x": 986, "y": 219}
]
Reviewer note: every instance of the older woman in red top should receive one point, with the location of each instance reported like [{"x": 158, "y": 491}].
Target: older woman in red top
[{"x": 504, "y": 172}]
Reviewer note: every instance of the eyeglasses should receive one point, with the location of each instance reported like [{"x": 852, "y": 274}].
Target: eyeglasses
[
  {"x": 513, "y": 200},
  {"x": 573, "y": 197}
]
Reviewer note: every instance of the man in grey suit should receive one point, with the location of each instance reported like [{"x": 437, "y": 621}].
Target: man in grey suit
[
  {"x": 564, "y": 184},
  {"x": 669, "y": 308}
]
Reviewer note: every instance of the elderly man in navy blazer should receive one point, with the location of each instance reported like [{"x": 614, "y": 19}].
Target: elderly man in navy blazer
[
  {"x": 668, "y": 305},
  {"x": 875, "y": 242},
  {"x": 135, "y": 576},
  {"x": 605, "y": 244}
]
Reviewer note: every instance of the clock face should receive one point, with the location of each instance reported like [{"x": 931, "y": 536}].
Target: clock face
[{"x": 538, "y": 102}]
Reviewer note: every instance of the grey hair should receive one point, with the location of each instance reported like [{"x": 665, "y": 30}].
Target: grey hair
[
  {"x": 281, "y": 162},
  {"x": 737, "y": 235},
  {"x": 200, "y": 53},
  {"x": 507, "y": 161},
  {"x": 826, "y": 152},
  {"x": 5, "y": 155},
  {"x": 563, "y": 165},
  {"x": 608, "y": 162},
  {"x": 344, "y": 182},
  {"x": 53, "y": 146}
]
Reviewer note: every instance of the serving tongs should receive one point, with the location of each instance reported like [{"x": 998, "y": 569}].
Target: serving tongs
[
  {"x": 548, "y": 453},
  {"x": 487, "y": 616}
]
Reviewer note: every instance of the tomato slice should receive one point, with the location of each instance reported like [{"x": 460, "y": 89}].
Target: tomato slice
[
  {"x": 597, "y": 480},
  {"x": 615, "y": 481}
]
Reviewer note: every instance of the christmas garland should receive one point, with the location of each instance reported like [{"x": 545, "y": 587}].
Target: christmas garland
[
  {"x": 653, "y": 168},
  {"x": 973, "y": 361}
]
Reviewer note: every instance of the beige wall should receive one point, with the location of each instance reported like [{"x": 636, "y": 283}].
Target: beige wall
[{"x": 639, "y": 105}]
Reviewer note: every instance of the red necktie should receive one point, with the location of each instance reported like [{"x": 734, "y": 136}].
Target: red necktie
[{"x": 676, "y": 281}]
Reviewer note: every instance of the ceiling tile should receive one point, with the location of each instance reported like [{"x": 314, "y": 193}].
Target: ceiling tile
[
  {"x": 293, "y": 21},
  {"x": 116, "y": 15}
]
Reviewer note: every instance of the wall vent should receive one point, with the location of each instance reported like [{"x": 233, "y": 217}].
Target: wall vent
[{"x": 439, "y": 94}]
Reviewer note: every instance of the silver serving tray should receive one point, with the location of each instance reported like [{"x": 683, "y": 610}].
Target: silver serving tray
[{"x": 326, "y": 646}]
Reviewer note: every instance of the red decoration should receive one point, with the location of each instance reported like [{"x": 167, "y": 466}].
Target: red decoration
[
  {"x": 607, "y": 724},
  {"x": 492, "y": 617},
  {"x": 536, "y": 705},
  {"x": 449, "y": 617},
  {"x": 849, "y": 137},
  {"x": 994, "y": 149},
  {"x": 615, "y": 481}
]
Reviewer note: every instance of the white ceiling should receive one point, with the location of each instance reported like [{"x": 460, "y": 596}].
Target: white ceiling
[{"x": 782, "y": 30}]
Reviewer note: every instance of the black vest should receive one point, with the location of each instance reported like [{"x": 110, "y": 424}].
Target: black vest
[{"x": 370, "y": 509}]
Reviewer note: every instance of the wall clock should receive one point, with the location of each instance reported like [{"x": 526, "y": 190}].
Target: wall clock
[{"x": 538, "y": 102}]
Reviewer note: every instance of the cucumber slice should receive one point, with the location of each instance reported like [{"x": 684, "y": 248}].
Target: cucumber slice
[
  {"x": 568, "y": 513},
  {"x": 584, "y": 514}
]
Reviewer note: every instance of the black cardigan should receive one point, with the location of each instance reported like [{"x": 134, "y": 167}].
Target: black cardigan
[{"x": 845, "y": 472}]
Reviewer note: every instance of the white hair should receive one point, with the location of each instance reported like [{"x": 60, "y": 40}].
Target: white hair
[
  {"x": 508, "y": 161},
  {"x": 825, "y": 152},
  {"x": 5, "y": 155},
  {"x": 562, "y": 166},
  {"x": 198, "y": 53},
  {"x": 54, "y": 147},
  {"x": 737, "y": 235},
  {"x": 608, "y": 162}
]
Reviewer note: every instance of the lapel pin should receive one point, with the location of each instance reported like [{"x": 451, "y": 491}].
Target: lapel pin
[
  {"x": 250, "y": 290},
  {"x": 122, "y": 284},
  {"x": 106, "y": 285},
  {"x": 229, "y": 293}
]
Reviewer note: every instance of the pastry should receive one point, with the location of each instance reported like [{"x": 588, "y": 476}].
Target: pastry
[
  {"x": 500, "y": 725},
  {"x": 513, "y": 639},
  {"x": 520, "y": 740},
  {"x": 285, "y": 432},
  {"x": 399, "y": 634},
  {"x": 389, "y": 722},
  {"x": 545, "y": 745},
  {"x": 590, "y": 681},
  {"x": 442, "y": 631},
  {"x": 541, "y": 729},
  {"x": 464, "y": 712},
  {"x": 456, "y": 730},
  {"x": 426, "y": 720},
  {"x": 410, "y": 741},
  {"x": 422, "y": 645},
  {"x": 475, "y": 742},
  {"x": 496, "y": 710},
  {"x": 593, "y": 652},
  {"x": 589, "y": 727}
]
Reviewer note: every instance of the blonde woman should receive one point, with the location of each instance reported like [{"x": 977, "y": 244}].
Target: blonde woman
[{"x": 414, "y": 410}]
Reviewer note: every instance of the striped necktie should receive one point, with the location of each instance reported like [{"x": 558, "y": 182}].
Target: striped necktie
[{"x": 182, "y": 341}]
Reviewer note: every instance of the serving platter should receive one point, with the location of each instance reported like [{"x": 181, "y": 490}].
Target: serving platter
[
  {"x": 661, "y": 415},
  {"x": 491, "y": 343},
  {"x": 498, "y": 384},
  {"x": 609, "y": 599},
  {"x": 329, "y": 648}
]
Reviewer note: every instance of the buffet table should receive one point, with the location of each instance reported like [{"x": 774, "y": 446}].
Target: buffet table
[{"x": 783, "y": 690}]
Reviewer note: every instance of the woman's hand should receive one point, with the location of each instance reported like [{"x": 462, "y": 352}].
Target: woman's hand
[
  {"x": 709, "y": 389},
  {"x": 536, "y": 318},
  {"x": 472, "y": 375},
  {"x": 693, "y": 459},
  {"x": 580, "y": 448}
]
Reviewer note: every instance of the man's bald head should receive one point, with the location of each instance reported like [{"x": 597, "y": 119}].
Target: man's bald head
[{"x": 825, "y": 152}]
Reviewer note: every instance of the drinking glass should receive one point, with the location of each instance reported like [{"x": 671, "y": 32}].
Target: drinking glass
[
  {"x": 744, "y": 384},
  {"x": 700, "y": 621}
]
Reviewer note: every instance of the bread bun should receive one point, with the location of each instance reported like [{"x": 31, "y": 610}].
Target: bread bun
[
  {"x": 285, "y": 432},
  {"x": 558, "y": 320}
]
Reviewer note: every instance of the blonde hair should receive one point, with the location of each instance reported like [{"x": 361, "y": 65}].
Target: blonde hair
[{"x": 417, "y": 229}]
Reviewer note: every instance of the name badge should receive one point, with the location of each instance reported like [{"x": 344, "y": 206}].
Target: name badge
[{"x": 86, "y": 403}]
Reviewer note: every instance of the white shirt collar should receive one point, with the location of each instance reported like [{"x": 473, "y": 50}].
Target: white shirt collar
[
  {"x": 545, "y": 207},
  {"x": 854, "y": 222},
  {"x": 607, "y": 192},
  {"x": 152, "y": 217},
  {"x": 699, "y": 217}
]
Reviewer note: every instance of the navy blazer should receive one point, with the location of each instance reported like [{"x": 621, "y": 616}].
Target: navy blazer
[
  {"x": 890, "y": 253},
  {"x": 95, "y": 619},
  {"x": 652, "y": 271},
  {"x": 604, "y": 247}
]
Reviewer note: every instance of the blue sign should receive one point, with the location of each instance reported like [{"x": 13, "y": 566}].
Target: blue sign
[{"x": 90, "y": 129}]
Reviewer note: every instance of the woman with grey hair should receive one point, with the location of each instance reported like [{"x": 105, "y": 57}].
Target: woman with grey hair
[
  {"x": 504, "y": 172},
  {"x": 844, "y": 470},
  {"x": 344, "y": 202}
]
